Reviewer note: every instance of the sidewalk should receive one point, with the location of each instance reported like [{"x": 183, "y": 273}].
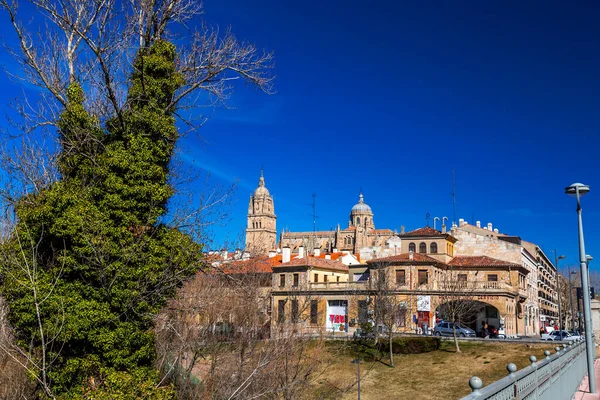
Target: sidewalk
[{"x": 583, "y": 392}]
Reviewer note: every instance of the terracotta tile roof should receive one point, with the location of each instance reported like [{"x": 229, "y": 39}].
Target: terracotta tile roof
[
  {"x": 405, "y": 257},
  {"x": 427, "y": 231},
  {"x": 480, "y": 261},
  {"x": 245, "y": 266},
  {"x": 350, "y": 228},
  {"x": 315, "y": 262}
]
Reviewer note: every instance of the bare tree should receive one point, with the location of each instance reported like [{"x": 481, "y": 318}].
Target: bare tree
[
  {"x": 94, "y": 43},
  {"x": 14, "y": 382},
  {"x": 457, "y": 301},
  {"x": 215, "y": 339},
  {"x": 386, "y": 303}
]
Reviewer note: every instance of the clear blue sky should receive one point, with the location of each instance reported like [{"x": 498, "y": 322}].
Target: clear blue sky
[{"x": 391, "y": 96}]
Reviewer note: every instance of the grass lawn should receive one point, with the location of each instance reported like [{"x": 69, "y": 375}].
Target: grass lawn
[{"x": 441, "y": 374}]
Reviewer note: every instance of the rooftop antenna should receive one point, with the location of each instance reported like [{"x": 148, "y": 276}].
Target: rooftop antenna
[
  {"x": 453, "y": 194},
  {"x": 434, "y": 220},
  {"x": 427, "y": 216},
  {"x": 314, "y": 213}
]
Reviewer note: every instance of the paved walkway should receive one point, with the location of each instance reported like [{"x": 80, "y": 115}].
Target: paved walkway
[{"x": 583, "y": 393}]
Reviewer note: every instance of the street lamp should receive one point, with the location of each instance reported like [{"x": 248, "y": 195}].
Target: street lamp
[
  {"x": 578, "y": 190},
  {"x": 357, "y": 362},
  {"x": 556, "y": 258}
]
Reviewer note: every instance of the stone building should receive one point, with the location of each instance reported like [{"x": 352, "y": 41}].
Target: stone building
[
  {"x": 359, "y": 234},
  {"x": 538, "y": 307},
  {"x": 261, "y": 230}
]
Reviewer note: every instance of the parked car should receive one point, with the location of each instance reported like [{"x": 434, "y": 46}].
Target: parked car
[
  {"x": 560, "y": 335},
  {"x": 447, "y": 329}
]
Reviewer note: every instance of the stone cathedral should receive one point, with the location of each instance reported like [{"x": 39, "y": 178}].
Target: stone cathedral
[{"x": 261, "y": 231}]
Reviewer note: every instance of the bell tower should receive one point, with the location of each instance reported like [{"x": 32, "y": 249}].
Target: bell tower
[{"x": 261, "y": 231}]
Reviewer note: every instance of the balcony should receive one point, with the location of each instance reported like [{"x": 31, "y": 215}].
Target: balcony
[{"x": 338, "y": 285}]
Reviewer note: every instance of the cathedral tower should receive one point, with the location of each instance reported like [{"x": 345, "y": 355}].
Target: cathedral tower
[{"x": 261, "y": 231}]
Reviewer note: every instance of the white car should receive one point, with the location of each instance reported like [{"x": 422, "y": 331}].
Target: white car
[{"x": 560, "y": 335}]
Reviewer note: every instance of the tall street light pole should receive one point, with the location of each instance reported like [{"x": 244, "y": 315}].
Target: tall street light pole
[
  {"x": 556, "y": 258},
  {"x": 578, "y": 190},
  {"x": 571, "y": 299}
]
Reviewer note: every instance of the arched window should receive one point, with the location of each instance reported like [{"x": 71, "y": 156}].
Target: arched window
[
  {"x": 433, "y": 248},
  {"x": 357, "y": 220},
  {"x": 422, "y": 247},
  {"x": 412, "y": 247}
]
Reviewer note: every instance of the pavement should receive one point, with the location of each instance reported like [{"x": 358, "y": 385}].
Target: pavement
[{"x": 583, "y": 392}]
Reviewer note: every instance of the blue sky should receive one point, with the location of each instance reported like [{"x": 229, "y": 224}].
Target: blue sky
[{"x": 391, "y": 96}]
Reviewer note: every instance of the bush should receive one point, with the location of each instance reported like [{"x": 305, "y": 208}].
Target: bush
[{"x": 411, "y": 345}]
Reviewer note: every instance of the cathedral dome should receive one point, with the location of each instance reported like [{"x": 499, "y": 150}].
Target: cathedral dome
[{"x": 361, "y": 206}]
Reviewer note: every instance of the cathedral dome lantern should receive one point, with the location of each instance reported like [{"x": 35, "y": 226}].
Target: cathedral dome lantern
[{"x": 261, "y": 190}]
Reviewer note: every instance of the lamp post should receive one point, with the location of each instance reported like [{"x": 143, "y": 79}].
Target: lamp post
[
  {"x": 357, "y": 362},
  {"x": 571, "y": 298},
  {"x": 556, "y": 258},
  {"x": 578, "y": 190}
]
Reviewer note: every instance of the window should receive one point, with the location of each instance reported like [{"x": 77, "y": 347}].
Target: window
[
  {"x": 422, "y": 247},
  {"x": 281, "y": 311},
  {"x": 296, "y": 280},
  {"x": 433, "y": 248},
  {"x": 462, "y": 277},
  {"x": 314, "y": 312},
  {"x": 422, "y": 277},
  {"x": 412, "y": 247},
  {"x": 316, "y": 277},
  {"x": 400, "y": 277},
  {"x": 338, "y": 279},
  {"x": 324, "y": 278},
  {"x": 282, "y": 280},
  {"x": 357, "y": 220},
  {"x": 295, "y": 314},
  {"x": 492, "y": 278}
]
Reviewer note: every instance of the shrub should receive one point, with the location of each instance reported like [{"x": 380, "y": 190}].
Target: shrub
[{"x": 411, "y": 345}]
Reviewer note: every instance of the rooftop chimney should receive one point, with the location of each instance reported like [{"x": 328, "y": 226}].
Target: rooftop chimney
[
  {"x": 317, "y": 252},
  {"x": 489, "y": 226},
  {"x": 335, "y": 250},
  {"x": 496, "y": 230},
  {"x": 224, "y": 254},
  {"x": 402, "y": 230},
  {"x": 411, "y": 256},
  {"x": 478, "y": 224},
  {"x": 272, "y": 253},
  {"x": 443, "y": 228},
  {"x": 285, "y": 255},
  {"x": 327, "y": 257},
  {"x": 461, "y": 222},
  {"x": 301, "y": 252}
]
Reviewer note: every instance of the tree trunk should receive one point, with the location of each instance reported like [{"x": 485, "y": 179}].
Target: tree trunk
[
  {"x": 455, "y": 339},
  {"x": 391, "y": 352}
]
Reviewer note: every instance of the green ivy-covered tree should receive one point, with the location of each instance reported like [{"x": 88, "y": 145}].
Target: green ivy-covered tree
[
  {"x": 105, "y": 262},
  {"x": 90, "y": 260}
]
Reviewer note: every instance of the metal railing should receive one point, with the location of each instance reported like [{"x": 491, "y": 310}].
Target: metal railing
[{"x": 555, "y": 377}]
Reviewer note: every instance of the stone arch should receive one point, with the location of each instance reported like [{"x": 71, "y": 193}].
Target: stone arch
[{"x": 476, "y": 315}]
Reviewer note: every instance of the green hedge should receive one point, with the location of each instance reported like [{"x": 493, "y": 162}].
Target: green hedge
[{"x": 410, "y": 345}]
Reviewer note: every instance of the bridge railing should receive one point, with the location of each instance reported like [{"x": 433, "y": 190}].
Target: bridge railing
[{"x": 557, "y": 376}]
